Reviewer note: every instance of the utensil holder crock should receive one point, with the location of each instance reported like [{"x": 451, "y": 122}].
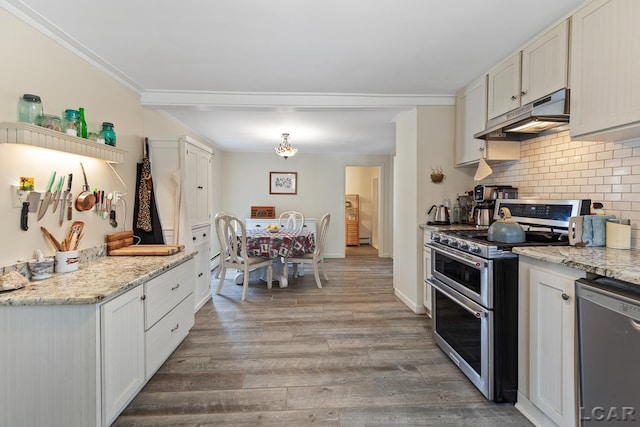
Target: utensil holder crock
[{"x": 67, "y": 261}]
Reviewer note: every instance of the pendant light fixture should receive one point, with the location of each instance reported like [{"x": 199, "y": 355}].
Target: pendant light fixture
[{"x": 285, "y": 149}]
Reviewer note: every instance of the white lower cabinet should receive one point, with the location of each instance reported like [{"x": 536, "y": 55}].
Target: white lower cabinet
[
  {"x": 81, "y": 364},
  {"x": 547, "y": 381},
  {"x": 123, "y": 356},
  {"x": 202, "y": 244}
]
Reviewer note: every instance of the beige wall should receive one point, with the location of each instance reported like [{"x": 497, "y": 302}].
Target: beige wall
[
  {"x": 321, "y": 189},
  {"x": 34, "y": 63},
  {"x": 555, "y": 167}
]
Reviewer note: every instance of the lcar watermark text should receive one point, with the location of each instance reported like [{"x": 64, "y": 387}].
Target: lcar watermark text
[{"x": 614, "y": 413}]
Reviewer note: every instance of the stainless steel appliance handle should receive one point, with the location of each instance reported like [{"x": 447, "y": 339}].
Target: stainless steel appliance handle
[
  {"x": 470, "y": 260},
  {"x": 477, "y": 310}
]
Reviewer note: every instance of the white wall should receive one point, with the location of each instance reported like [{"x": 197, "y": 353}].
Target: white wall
[
  {"x": 424, "y": 139},
  {"x": 321, "y": 185}
]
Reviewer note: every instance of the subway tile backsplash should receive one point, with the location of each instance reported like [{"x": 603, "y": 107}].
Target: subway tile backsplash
[{"x": 555, "y": 167}]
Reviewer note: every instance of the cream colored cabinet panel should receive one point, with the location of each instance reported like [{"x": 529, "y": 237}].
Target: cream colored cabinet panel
[
  {"x": 426, "y": 273},
  {"x": 197, "y": 185},
  {"x": 123, "y": 357},
  {"x": 504, "y": 87},
  {"x": 547, "y": 358},
  {"x": 471, "y": 118},
  {"x": 545, "y": 63},
  {"x": 605, "y": 65},
  {"x": 552, "y": 336}
]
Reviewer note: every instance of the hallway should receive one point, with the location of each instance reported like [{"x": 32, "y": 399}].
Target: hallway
[{"x": 349, "y": 354}]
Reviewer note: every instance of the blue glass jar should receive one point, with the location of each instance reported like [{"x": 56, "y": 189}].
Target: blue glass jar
[
  {"x": 71, "y": 122},
  {"x": 108, "y": 134}
]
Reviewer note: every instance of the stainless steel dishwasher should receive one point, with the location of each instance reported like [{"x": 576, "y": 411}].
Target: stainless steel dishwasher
[{"x": 609, "y": 352}]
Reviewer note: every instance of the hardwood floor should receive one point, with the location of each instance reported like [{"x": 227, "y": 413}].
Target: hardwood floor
[{"x": 349, "y": 354}]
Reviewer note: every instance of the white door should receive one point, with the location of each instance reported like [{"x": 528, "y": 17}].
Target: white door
[{"x": 375, "y": 200}]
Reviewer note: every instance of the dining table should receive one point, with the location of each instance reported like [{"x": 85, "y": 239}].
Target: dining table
[{"x": 278, "y": 245}]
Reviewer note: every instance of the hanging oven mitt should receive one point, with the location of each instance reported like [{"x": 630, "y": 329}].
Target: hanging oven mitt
[{"x": 144, "y": 196}]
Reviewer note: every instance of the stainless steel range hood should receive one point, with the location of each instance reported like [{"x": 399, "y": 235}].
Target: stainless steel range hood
[{"x": 546, "y": 115}]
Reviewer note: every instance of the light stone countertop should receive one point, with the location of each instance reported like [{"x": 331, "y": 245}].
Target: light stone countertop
[
  {"x": 95, "y": 281},
  {"x": 614, "y": 263}
]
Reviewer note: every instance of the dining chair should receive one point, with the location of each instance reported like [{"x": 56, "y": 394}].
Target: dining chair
[
  {"x": 291, "y": 220},
  {"x": 232, "y": 236},
  {"x": 317, "y": 257}
]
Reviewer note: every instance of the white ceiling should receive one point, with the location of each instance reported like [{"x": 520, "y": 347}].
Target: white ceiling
[{"x": 332, "y": 73}]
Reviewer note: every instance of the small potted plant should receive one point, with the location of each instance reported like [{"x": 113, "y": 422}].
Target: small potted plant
[{"x": 437, "y": 175}]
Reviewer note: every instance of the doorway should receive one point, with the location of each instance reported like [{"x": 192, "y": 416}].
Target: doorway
[{"x": 364, "y": 181}]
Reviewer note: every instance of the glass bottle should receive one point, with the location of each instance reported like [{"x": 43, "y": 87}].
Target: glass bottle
[
  {"x": 70, "y": 124},
  {"x": 29, "y": 109},
  {"x": 82, "y": 124},
  {"x": 456, "y": 213},
  {"x": 108, "y": 134}
]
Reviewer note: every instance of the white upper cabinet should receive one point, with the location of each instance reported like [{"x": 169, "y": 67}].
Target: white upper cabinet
[
  {"x": 471, "y": 118},
  {"x": 504, "y": 86},
  {"x": 538, "y": 70},
  {"x": 605, "y": 65},
  {"x": 545, "y": 63}
]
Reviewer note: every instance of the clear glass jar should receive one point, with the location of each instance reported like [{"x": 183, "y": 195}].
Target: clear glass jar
[
  {"x": 108, "y": 134},
  {"x": 29, "y": 109},
  {"x": 50, "y": 121},
  {"x": 71, "y": 122}
]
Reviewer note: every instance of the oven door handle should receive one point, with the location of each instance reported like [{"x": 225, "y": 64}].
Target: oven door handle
[
  {"x": 477, "y": 310},
  {"x": 469, "y": 260}
]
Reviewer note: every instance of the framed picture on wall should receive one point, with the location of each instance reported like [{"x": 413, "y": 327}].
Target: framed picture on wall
[{"x": 283, "y": 182}]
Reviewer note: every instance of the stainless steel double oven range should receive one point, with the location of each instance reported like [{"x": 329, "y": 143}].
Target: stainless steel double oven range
[{"x": 475, "y": 292}]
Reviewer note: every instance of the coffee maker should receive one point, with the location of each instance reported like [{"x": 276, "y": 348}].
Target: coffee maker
[{"x": 484, "y": 199}]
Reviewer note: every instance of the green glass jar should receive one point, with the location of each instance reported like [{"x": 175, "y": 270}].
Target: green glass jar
[{"x": 108, "y": 134}]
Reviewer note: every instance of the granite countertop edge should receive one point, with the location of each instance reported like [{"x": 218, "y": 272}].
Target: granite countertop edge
[
  {"x": 620, "y": 264},
  {"x": 94, "y": 282}
]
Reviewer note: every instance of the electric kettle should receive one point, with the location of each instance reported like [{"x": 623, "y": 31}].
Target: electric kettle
[{"x": 440, "y": 215}]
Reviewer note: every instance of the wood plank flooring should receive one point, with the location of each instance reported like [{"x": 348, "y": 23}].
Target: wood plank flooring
[{"x": 349, "y": 354}]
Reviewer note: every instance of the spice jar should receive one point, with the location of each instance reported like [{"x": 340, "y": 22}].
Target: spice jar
[
  {"x": 29, "y": 109},
  {"x": 108, "y": 134},
  {"x": 70, "y": 124},
  {"x": 50, "y": 121}
]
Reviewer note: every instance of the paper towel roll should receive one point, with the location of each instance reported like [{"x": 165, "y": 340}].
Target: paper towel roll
[{"x": 618, "y": 234}]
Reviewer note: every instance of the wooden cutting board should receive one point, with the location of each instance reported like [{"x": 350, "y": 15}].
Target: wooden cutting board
[{"x": 121, "y": 244}]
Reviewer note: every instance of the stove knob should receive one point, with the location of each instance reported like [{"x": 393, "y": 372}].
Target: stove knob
[
  {"x": 444, "y": 239},
  {"x": 453, "y": 242},
  {"x": 463, "y": 245},
  {"x": 435, "y": 237},
  {"x": 474, "y": 248}
]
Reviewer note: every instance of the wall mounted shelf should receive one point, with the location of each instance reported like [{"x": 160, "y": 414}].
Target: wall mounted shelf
[{"x": 37, "y": 136}]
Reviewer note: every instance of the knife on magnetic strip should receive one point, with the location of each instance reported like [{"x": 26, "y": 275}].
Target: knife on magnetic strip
[
  {"x": 47, "y": 197},
  {"x": 65, "y": 196},
  {"x": 56, "y": 194}
]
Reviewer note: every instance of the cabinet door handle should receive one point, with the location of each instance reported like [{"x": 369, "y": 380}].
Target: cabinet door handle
[
  {"x": 200, "y": 275},
  {"x": 200, "y": 187},
  {"x": 204, "y": 234},
  {"x": 175, "y": 287},
  {"x": 143, "y": 297},
  {"x": 193, "y": 238},
  {"x": 176, "y": 327},
  {"x": 565, "y": 296},
  {"x": 523, "y": 93},
  {"x": 514, "y": 97}
]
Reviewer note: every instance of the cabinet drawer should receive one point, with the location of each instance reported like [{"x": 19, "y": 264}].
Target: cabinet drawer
[
  {"x": 201, "y": 235},
  {"x": 167, "y": 290},
  {"x": 165, "y": 336}
]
